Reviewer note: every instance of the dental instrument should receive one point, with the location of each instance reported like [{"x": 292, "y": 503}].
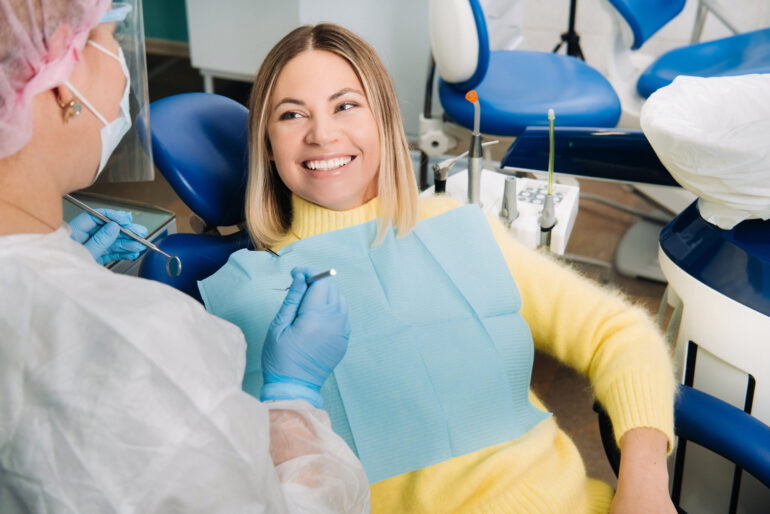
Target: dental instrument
[
  {"x": 441, "y": 169},
  {"x": 475, "y": 157},
  {"x": 508, "y": 209},
  {"x": 173, "y": 264},
  {"x": 328, "y": 273},
  {"x": 548, "y": 216}
]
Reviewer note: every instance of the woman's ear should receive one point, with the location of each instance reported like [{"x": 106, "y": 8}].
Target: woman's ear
[{"x": 69, "y": 104}]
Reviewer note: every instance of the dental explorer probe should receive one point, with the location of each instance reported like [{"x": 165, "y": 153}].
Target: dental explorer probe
[
  {"x": 475, "y": 157},
  {"x": 328, "y": 273},
  {"x": 173, "y": 264},
  {"x": 548, "y": 215}
]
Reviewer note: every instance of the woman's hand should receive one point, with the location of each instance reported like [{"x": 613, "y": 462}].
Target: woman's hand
[{"x": 643, "y": 475}]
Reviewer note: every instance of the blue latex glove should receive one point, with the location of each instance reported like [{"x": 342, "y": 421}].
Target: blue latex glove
[
  {"x": 105, "y": 241},
  {"x": 306, "y": 340}
]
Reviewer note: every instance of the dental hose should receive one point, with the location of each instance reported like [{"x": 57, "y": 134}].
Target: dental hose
[{"x": 548, "y": 215}]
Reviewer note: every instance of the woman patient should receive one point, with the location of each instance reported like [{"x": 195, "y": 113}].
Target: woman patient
[{"x": 445, "y": 307}]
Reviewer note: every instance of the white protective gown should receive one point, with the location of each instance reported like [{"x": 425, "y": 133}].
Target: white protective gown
[{"x": 119, "y": 394}]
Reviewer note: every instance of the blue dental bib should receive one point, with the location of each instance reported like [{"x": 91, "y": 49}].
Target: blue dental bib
[{"x": 440, "y": 358}]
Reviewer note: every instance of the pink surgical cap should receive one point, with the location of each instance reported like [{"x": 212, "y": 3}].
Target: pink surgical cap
[{"x": 40, "y": 42}]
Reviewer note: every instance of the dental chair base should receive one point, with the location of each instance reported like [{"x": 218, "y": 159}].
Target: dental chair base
[{"x": 719, "y": 280}]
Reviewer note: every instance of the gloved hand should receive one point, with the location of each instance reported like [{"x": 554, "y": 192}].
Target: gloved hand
[
  {"x": 306, "y": 340},
  {"x": 105, "y": 241}
]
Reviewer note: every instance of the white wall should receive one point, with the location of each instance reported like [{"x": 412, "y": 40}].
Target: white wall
[
  {"x": 231, "y": 37},
  {"x": 545, "y": 20}
]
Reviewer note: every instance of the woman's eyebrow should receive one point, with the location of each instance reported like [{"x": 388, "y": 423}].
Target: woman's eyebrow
[
  {"x": 289, "y": 101},
  {"x": 344, "y": 91}
]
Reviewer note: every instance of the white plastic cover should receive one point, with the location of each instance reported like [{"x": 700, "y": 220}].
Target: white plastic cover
[
  {"x": 713, "y": 136},
  {"x": 453, "y": 39}
]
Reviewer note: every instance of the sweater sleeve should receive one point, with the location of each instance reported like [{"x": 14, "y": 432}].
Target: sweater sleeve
[{"x": 598, "y": 333}]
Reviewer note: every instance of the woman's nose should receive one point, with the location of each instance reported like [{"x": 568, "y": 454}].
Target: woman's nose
[{"x": 323, "y": 130}]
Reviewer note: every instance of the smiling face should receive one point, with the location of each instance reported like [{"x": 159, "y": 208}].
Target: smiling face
[{"x": 323, "y": 136}]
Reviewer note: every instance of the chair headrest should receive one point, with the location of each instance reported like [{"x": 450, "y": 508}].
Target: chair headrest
[
  {"x": 200, "y": 145},
  {"x": 646, "y": 17},
  {"x": 459, "y": 42}
]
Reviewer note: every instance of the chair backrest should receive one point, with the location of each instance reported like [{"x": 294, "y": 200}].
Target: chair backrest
[
  {"x": 646, "y": 17},
  {"x": 459, "y": 42},
  {"x": 200, "y": 145}
]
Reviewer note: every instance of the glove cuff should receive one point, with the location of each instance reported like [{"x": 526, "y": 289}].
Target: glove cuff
[{"x": 290, "y": 391}]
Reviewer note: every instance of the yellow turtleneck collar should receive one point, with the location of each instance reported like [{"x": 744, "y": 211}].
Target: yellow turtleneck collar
[{"x": 311, "y": 219}]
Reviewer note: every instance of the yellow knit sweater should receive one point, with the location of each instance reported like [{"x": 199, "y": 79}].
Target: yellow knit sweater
[{"x": 594, "y": 331}]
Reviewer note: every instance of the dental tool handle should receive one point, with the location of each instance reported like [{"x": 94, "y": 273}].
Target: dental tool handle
[
  {"x": 328, "y": 273},
  {"x": 105, "y": 219},
  {"x": 509, "y": 210},
  {"x": 439, "y": 178},
  {"x": 476, "y": 118},
  {"x": 475, "y": 165},
  {"x": 547, "y": 221}
]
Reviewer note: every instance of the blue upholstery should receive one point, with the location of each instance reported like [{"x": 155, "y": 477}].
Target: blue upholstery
[
  {"x": 201, "y": 256},
  {"x": 735, "y": 55},
  {"x": 735, "y": 262},
  {"x": 646, "y": 17},
  {"x": 520, "y": 86},
  {"x": 741, "y": 54},
  {"x": 199, "y": 144}
]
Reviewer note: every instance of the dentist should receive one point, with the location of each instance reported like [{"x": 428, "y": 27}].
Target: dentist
[{"x": 119, "y": 394}]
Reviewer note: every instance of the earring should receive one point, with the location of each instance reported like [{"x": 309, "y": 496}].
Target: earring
[{"x": 72, "y": 109}]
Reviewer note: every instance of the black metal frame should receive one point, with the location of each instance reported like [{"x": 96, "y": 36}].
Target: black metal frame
[{"x": 571, "y": 37}]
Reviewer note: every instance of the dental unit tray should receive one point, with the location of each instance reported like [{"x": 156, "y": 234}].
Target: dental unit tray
[{"x": 529, "y": 195}]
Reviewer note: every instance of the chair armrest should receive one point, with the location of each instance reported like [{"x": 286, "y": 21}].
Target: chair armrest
[
  {"x": 725, "y": 430},
  {"x": 610, "y": 154},
  {"x": 712, "y": 423}
]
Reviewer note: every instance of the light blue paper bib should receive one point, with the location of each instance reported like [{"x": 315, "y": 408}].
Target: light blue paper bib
[{"x": 440, "y": 359}]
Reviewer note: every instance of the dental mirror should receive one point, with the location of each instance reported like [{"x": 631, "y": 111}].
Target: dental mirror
[{"x": 173, "y": 264}]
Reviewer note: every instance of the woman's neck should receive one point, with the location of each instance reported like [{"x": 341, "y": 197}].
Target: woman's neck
[
  {"x": 310, "y": 219},
  {"x": 28, "y": 204}
]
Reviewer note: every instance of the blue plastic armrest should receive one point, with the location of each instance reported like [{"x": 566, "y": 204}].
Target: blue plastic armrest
[{"x": 725, "y": 430}]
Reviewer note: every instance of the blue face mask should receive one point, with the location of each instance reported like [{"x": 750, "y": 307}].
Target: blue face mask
[{"x": 112, "y": 132}]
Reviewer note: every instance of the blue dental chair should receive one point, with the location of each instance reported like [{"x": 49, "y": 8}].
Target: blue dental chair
[
  {"x": 199, "y": 144},
  {"x": 636, "y": 21},
  {"x": 515, "y": 88}
]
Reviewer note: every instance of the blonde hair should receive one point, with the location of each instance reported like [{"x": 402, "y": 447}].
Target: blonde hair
[{"x": 268, "y": 200}]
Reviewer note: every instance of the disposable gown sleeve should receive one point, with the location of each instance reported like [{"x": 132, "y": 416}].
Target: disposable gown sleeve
[{"x": 317, "y": 470}]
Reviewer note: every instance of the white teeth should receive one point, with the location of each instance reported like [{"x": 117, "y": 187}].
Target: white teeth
[{"x": 328, "y": 165}]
